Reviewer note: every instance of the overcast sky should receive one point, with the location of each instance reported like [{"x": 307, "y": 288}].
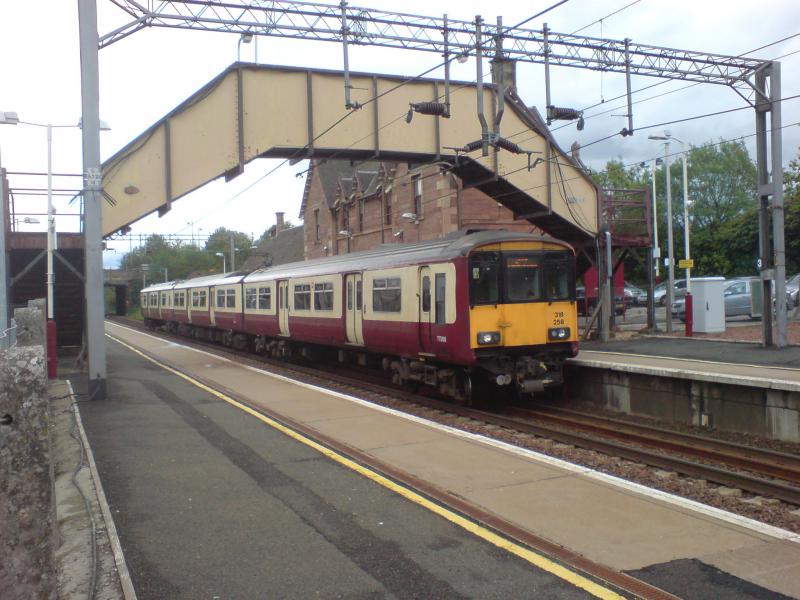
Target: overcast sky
[{"x": 147, "y": 74}]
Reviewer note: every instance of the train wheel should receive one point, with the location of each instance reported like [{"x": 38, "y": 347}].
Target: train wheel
[{"x": 465, "y": 389}]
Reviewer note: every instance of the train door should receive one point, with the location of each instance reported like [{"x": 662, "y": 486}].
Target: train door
[
  {"x": 354, "y": 308},
  {"x": 283, "y": 307},
  {"x": 212, "y": 305},
  {"x": 425, "y": 310}
]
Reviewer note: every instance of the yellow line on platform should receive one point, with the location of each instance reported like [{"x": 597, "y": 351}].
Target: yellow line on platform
[{"x": 526, "y": 554}]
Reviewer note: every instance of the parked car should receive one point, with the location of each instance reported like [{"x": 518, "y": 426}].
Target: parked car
[
  {"x": 738, "y": 298},
  {"x": 660, "y": 292},
  {"x": 585, "y": 307},
  {"x": 638, "y": 296}
]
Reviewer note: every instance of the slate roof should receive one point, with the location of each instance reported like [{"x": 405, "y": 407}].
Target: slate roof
[
  {"x": 333, "y": 172},
  {"x": 287, "y": 246}
]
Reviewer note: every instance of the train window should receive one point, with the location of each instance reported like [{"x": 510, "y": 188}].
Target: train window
[
  {"x": 349, "y": 295},
  {"x": 359, "y": 295},
  {"x": 201, "y": 302},
  {"x": 522, "y": 277},
  {"x": 557, "y": 276},
  {"x": 163, "y": 298},
  {"x": 154, "y": 299},
  {"x": 426, "y": 294},
  {"x": 302, "y": 296},
  {"x": 484, "y": 275},
  {"x": 250, "y": 298},
  {"x": 144, "y": 300},
  {"x": 264, "y": 298},
  {"x": 323, "y": 296},
  {"x": 386, "y": 295},
  {"x": 230, "y": 298},
  {"x": 220, "y": 299},
  {"x": 441, "y": 295},
  {"x": 195, "y": 298}
]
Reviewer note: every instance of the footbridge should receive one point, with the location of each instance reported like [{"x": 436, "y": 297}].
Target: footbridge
[{"x": 253, "y": 111}]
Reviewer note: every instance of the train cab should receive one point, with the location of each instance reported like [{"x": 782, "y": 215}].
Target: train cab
[{"x": 522, "y": 312}]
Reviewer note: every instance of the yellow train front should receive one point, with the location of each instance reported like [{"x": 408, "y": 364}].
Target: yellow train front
[{"x": 523, "y": 320}]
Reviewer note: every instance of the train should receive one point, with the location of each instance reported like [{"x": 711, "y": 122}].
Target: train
[{"x": 466, "y": 315}]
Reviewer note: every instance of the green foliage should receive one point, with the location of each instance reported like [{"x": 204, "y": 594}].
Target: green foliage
[
  {"x": 617, "y": 176},
  {"x": 791, "y": 199},
  {"x": 220, "y": 241},
  {"x": 723, "y": 215}
]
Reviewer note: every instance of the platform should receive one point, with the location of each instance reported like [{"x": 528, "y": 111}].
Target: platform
[
  {"x": 675, "y": 542},
  {"x": 736, "y": 363}
]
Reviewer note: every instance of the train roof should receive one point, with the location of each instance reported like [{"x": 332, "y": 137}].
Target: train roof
[
  {"x": 209, "y": 280},
  {"x": 158, "y": 287},
  {"x": 390, "y": 255}
]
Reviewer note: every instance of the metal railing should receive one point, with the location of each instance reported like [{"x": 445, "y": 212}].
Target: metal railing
[{"x": 8, "y": 337}]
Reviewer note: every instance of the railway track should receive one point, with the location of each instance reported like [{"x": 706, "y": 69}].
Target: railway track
[{"x": 748, "y": 468}]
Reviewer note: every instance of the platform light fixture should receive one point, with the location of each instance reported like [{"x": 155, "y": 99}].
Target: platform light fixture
[
  {"x": 246, "y": 38},
  {"x": 224, "y": 266},
  {"x": 9, "y": 118}
]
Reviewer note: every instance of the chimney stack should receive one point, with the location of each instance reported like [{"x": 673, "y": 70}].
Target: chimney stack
[{"x": 279, "y": 219}]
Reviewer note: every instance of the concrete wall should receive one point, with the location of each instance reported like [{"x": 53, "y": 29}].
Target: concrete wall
[{"x": 767, "y": 413}]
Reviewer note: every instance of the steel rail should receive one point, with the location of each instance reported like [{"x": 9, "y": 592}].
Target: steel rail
[
  {"x": 759, "y": 460},
  {"x": 378, "y": 385}
]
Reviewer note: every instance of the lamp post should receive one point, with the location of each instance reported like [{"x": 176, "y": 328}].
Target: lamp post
[
  {"x": 13, "y": 118},
  {"x": 6, "y": 118},
  {"x": 670, "y": 258},
  {"x": 688, "y": 306},
  {"x": 222, "y": 254},
  {"x": 656, "y": 249},
  {"x": 347, "y": 234}
]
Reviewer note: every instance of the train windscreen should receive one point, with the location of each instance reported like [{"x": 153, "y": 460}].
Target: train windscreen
[{"x": 532, "y": 276}]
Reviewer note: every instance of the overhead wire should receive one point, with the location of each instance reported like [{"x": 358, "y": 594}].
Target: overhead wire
[
  {"x": 557, "y": 162},
  {"x": 659, "y": 83},
  {"x": 368, "y": 101}
]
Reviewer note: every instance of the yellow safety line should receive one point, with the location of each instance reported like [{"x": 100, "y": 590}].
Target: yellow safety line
[{"x": 524, "y": 553}]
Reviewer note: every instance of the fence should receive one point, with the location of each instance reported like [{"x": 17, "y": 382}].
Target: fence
[{"x": 8, "y": 337}]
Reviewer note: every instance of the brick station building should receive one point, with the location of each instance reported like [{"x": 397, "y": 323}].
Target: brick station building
[{"x": 347, "y": 208}]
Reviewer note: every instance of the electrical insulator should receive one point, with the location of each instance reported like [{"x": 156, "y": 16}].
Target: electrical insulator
[
  {"x": 507, "y": 145},
  {"x": 472, "y": 146},
  {"x": 430, "y": 108},
  {"x": 560, "y": 113}
]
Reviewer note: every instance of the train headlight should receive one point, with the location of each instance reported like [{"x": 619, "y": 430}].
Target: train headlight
[
  {"x": 486, "y": 338},
  {"x": 558, "y": 333}
]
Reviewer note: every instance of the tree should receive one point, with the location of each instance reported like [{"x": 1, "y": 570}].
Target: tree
[
  {"x": 167, "y": 261},
  {"x": 617, "y": 176},
  {"x": 791, "y": 201},
  {"x": 723, "y": 216},
  {"x": 220, "y": 241}
]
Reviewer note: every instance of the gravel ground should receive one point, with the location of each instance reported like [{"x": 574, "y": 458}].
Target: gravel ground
[{"x": 745, "y": 439}]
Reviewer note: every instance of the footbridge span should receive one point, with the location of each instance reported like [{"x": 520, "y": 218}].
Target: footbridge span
[{"x": 253, "y": 111}]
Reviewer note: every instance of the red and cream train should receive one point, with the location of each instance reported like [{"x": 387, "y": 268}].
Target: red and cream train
[{"x": 487, "y": 307}]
